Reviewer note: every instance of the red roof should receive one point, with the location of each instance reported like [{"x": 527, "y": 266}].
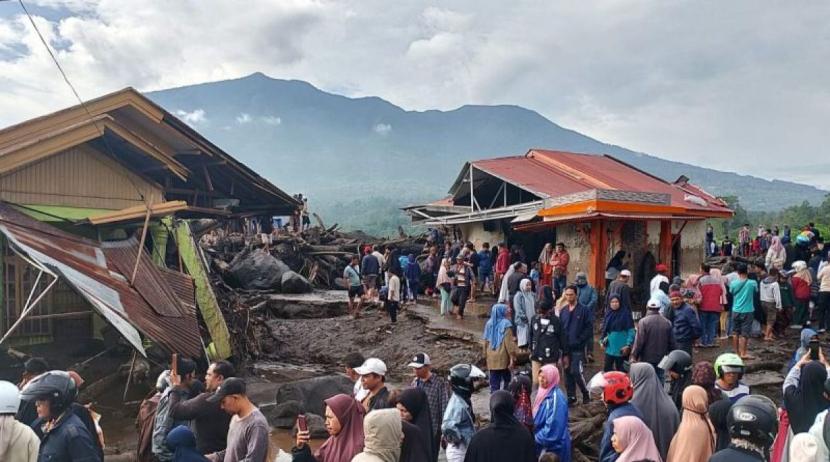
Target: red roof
[{"x": 550, "y": 174}]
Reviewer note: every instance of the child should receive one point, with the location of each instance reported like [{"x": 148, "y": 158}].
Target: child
[{"x": 770, "y": 300}]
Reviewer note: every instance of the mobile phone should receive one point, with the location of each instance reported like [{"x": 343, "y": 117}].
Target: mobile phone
[
  {"x": 814, "y": 346},
  {"x": 302, "y": 423}
]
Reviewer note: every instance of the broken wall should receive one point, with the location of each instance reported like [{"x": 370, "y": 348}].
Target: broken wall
[
  {"x": 475, "y": 233},
  {"x": 692, "y": 246}
]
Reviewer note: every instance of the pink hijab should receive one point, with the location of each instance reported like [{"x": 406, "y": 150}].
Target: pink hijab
[
  {"x": 551, "y": 374},
  {"x": 636, "y": 440},
  {"x": 349, "y": 442},
  {"x": 718, "y": 274}
]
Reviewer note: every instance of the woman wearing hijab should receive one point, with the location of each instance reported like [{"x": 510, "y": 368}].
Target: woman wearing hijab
[
  {"x": 658, "y": 409},
  {"x": 344, "y": 422},
  {"x": 717, "y": 274},
  {"x": 718, "y": 412},
  {"x": 807, "y": 335},
  {"x": 504, "y": 291},
  {"x": 182, "y": 442},
  {"x": 805, "y": 447},
  {"x": 703, "y": 375},
  {"x": 617, "y": 335},
  {"x": 550, "y": 415},
  {"x": 545, "y": 266},
  {"x": 524, "y": 308},
  {"x": 695, "y": 437},
  {"x": 499, "y": 347},
  {"x": 505, "y": 439},
  {"x": 612, "y": 271},
  {"x": 444, "y": 285},
  {"x": 776, "y": 255},
  {"x": 633, "y": 441},
  {"x": 383, "y": 436},
  {"x": 804, "y": 396},
  {"x": 413, "y": 405},
  {"x": 520, "y": 388}
]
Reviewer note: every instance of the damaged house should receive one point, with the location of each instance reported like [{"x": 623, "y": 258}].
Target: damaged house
[
  {"x": 594, "y": 204},
  {"x": 96, "y": 231}
]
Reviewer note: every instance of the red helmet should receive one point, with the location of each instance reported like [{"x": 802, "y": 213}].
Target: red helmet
[{"x": 617, "y": 388}]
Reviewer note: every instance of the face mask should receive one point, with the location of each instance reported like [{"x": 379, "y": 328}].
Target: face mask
[{"x": 581, "y": 284}]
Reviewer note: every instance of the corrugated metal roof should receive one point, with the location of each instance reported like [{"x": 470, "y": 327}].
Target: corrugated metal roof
[
  {"x": 86, "y": 267},
  {"x": 555, "y": 173}
]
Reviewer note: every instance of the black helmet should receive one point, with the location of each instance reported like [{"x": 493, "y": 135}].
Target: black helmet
[
  {"x": 462, "y": 377},
  {"x": 57, "y": 387},
  {"x": 753, "y": 418},
  {"x": 677, "y": 361}
]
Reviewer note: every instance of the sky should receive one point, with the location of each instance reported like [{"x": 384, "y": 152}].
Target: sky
[{"x": 737, "y": 86}]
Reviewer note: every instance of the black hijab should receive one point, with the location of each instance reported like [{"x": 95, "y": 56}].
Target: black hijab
[
  {"x": 413, "y": 448},
  {"x": 805, "y": 400},
  {"x": 415, "y": 401},
  {"x": 718, "y": 411},
  {"x": 505, "y": 438}
]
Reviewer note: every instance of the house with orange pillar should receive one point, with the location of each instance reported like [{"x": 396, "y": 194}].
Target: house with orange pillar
[{"x": 594, "y": 204}]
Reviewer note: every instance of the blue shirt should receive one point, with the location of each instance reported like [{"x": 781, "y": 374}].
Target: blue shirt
[
  {"x": 743, "y": 293},
  {"x": 578, "y": 325}
]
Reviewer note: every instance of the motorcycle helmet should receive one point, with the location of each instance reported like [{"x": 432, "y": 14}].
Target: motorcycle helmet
[
  {"x": 729, "y": 362},
  {"x": 462, "y": 378},
  {"x": 617, "y": 389},
  {"x": 753, "y": 418},
  {"x": 9, "y": 398},
  {"x": 57, "y": 387},
  {"x": 677, "y": 361}
]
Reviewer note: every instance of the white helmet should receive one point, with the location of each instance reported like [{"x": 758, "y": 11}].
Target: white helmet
[{"x": 9, "y": 398}]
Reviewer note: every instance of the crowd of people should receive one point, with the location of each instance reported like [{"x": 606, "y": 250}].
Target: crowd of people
[{"x": 661, "y": 404}]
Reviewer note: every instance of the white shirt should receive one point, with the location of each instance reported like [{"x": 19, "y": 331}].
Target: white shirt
[
  {"x": 394, "y": 289},
  {"x": 654, "y": 286},
  {"x": 824, "y": 277},
  {"x": 380, "y": 259},
  {"x": 359, "y": 392}
]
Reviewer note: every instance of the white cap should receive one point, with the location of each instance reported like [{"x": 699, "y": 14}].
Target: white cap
[
  {"x": 420, "y": 360},
  {"x": 372, "y": 366},
  {"x": 625, "y": 273},
  {"x": 653, "y": 303}
]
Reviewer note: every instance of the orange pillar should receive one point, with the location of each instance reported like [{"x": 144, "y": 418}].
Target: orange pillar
[
  {"x": 665, "y": 243},
  {"x": 599, "y": 247}
]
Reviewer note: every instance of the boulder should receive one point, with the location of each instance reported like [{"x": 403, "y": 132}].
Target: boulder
[
  {"x": 258, "y": 270},
  {"x": 294, "y": 283},
  {"x": 283, "y": 415},
  {"x": 310, "y": 393},
  {"x": 317, "y": 426}
]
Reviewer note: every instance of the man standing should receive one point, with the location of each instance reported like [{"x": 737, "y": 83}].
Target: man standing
[
  {"x": 686, "y": 325},
  {"x": 559, "y": 261},
  {"x": 393, "y": 295},
  {"x": 502, "y": 265},
  {"x": 352, "y": 274},
  {"x": 485, "y": 267},
  {"x": 621, "y": 289},
  {"x": 578, "y": 324},
  {"x": 373, "y": 378},
  {"x": 661, "y": 276},
  {"x": 548, "y": 341},
  {"x": 248, "y": 434},
  {"x": 208, "y": 420},
  {"x": 710, "y": 238},
  {"x": 654, "y": 338},
  {"x": 743, "y": 292},
  {"x": 711, "y": 296},
  {"x": 33, "y": 367},
  {"x": 370, "y": 267},
  {"x": 513, "y": 281},
  {"x": 587, "y": 295},
  {"x": 351, "y": 362},
  {"x": 437, "y": 390},
  {"x": 743, "y": 240}
]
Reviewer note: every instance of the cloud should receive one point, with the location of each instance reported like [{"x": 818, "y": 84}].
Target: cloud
[
  {"x": 243, "y": 118},
  {"x": 736, "y": 86},
  {"x": 272, "y": 120},
  {"x": 382, "y": 129},
  {"x": 194, "y": 117}
]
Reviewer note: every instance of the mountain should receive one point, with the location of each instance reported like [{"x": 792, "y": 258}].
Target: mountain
[{"x": 359, "y": 159}]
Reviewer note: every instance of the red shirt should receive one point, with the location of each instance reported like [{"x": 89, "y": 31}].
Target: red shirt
[
  {"x": 560, "y": 260},
  {"x": 502, "y": 261},
  {"x": 801, "y": 290}
]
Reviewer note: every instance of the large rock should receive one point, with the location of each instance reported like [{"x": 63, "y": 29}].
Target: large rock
[
  {"x": 310, "y": 393},
  {"x": 258, "y": 270},
  {"x": 294, "y": 283}
]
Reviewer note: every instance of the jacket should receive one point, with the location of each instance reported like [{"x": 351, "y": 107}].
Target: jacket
[
  {"x": 380, "y": 400},
  {"x": 560, "y": 261},
  {"x": 210, "y": 423},
  {"x": 369, "y": 265},
  {"x": 551, "y": 425},
  {"x": 654, "y": 339},
  {"x": 457, "y": 425},
  {"x": 686, "y": 324},
  {"x": 164, "y": 422},
  {"x": 711, "y": 293},
  {"x": 500, "y": 359},
  {"x": 23, "y": 442},
  {"x": 144, "y": 423},
  {"x": 578, "y": 325},
  {"x": 502, "y": 261},
  {"x": 68, "y": 441},
  {"x": 587, "y": 295},
  {"x": 547, "y": 339},
  {"x": 606, "y": 451},
  {"x": 801, "y": 290},
  {"x": 485, "y": 262}
]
